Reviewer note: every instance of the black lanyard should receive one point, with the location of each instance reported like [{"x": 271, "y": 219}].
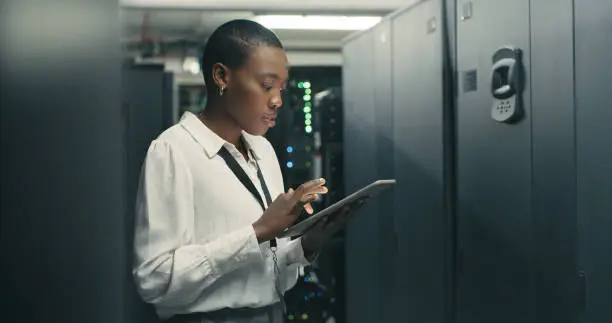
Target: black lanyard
[{"x": 246, "y": 181}]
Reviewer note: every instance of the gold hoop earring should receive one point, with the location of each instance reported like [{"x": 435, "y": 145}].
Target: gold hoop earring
[{"x": 221, "y": 89}]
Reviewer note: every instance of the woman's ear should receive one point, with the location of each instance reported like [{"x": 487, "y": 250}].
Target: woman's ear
[{"x": 220, "y": 75}]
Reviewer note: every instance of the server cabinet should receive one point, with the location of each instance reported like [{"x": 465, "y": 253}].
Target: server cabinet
[
  {"x": 419, "y": 205},
  {"x": 385, "y": 151},
  {"x": 593, "y": 22},
  {"x": 362, "y": 243},
  {"x": 553, "y": 162},
  {"x": 494, "y": 216},
  {"x": 147, "y": 103},
  {"x": 62, "y": 191}
]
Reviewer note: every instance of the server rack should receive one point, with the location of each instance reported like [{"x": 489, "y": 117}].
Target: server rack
[
  {"x": 397, "y": 104},
  {"x": 420, "y": 109},
  {"x": 494, "y": 192},
  {"x": 361, "y": 238},
  {"x": 521, "y": 200},
  {"x": 593, "y": 76},
  {"x": 147, "y": 111}
]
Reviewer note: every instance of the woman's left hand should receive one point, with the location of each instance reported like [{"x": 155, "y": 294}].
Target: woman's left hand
[{"x": 324, "y": 229}]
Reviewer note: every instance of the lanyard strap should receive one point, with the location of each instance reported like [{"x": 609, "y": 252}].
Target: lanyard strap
[
  {"x": 246, "y": 181},
  {"x": 244, "y": 178}
]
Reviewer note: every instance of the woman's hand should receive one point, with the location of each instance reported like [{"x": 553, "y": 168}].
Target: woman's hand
[
  {"x": 324, "y": 229},
  {"x": 286, "y": 208}
]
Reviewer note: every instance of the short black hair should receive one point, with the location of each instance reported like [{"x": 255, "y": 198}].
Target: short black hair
[{"x": 231, "y": 45}]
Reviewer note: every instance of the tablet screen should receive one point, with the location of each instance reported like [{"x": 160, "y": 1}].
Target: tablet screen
[{"x": 366, "y": 192}]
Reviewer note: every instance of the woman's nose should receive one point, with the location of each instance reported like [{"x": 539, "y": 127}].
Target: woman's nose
[{"x": 276, "y": 102}]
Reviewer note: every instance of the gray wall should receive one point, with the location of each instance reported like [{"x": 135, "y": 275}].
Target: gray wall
[{"x": 63, "y": 164}]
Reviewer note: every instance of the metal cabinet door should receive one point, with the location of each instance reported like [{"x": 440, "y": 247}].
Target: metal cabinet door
[
  {"x": 494, "y": 216},
  {"x": 362, "y": 244},
  {"x": 418, "y": 135},
  {"x": 554, "y": 162},
  {"x": 593, "y": 41},
  {"x": 387, "y": 287}
]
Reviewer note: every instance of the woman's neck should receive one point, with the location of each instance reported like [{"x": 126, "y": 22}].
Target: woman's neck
[{"x": 222, "y": 124}]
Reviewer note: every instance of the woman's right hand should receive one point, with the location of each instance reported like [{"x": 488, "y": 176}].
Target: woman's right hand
[{"x": 286, "y": 208}]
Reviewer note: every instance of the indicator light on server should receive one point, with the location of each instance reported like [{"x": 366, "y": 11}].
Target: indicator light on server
[{"x": 307, "y": 105}]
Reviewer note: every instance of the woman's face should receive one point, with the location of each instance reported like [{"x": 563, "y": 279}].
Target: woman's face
[{"x": 254, "y": 90}]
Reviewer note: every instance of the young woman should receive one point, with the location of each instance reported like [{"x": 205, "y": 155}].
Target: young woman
[{"x": 212, "y": 199}]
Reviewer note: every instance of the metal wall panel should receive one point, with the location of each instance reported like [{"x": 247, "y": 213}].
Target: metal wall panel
[
  {"x": 362, "y": 243},
  {"x": 494, "y": 216},
  {"x": 419, "y": 206},
  {"x": 593, "y": 23},
  {"x": 554, "y": 164}
]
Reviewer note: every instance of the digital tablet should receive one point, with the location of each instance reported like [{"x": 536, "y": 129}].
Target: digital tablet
[{"x": 366, "y": 192}]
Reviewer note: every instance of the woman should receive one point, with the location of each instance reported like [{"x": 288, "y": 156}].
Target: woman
[{"x": 206, "y": 218}]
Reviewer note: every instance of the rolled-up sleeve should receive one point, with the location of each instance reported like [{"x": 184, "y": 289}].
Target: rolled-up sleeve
[{"x": 170, "y": 268}]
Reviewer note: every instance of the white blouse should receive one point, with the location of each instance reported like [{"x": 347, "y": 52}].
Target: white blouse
[{"x": 195, "y": 247}]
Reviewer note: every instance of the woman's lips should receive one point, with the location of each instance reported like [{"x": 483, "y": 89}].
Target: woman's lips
[{"x": 270, "y": 121}]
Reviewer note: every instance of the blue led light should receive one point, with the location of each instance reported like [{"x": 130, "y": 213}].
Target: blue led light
[
  {"x": 289, "y": 149},
  {"x": 289, "y": 164}
]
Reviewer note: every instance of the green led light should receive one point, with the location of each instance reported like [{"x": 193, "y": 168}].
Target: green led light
[
  {"x": 308, "y": 129},
  {"x": 307, "y": 91},
  {"x": 306, "y": 97},
  {"x": 306, "y": 85},
  {"x": 308, "y": 116},
  {"x": 301, "y": 85},
  {"x": 308, "y": 148},
  {"x": 308, "y": 122},
  {"x": 308, "y": 164},
  {"x": 307, "y": 109},
  {"x": 308, "y": 104}
]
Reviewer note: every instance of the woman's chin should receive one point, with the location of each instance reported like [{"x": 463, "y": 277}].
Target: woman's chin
[{"x": 257, "y": 131}]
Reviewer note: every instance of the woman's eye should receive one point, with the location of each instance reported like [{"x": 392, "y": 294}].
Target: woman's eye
[{"x": 267, "y": 87}]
